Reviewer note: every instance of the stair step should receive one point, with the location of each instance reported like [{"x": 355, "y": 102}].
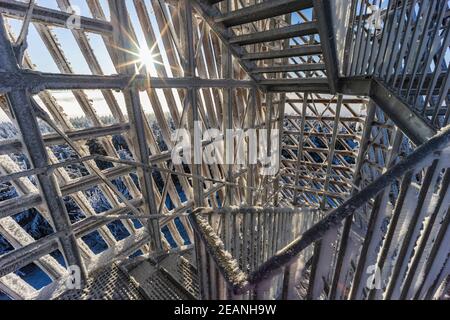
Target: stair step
[
  {"x": 293, "y": 52},
  {"x": 294, "y": 81},
  {"x": 291, "y": 68},
  {"x": 264, "y": 10},
  {"x": 172, "y": 278},
  {"x": 320, "y": 85},
  {"x": 183, "y": 273},
  {"x": 156, "y": 284},
  {"x": 293, "y": 31}
]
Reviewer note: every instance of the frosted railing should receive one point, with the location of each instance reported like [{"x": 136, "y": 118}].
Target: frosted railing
[
  {"x": 233, "y": 242},
  {"x": 405, "y": 45},
  {"x": 222, "y": 276}
]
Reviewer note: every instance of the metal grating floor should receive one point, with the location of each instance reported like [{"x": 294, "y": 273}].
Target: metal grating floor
[
  {"x": 173, "y": 278},
  {"x": 108, "y": 283},
  {"x": 181, "y": 270}
]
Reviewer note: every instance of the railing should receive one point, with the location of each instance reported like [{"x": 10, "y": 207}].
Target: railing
[
  {"x": 234, "y": 242},
  {"x": 411, "y": 254},
  {"x": 405, "y": 45}
]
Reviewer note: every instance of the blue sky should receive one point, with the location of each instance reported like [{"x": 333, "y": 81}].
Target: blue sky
[{"x": 44, "y": 62}]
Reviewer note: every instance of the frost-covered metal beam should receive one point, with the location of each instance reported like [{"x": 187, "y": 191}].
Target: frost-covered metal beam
[
  {"x": 16, "y": 259},
  {"x": 304, "y": 50},
  {"x": 121, "y": 24},
  {"x": 302, "y": 85},
  {"x": 411, "y": 124},
  {"x": 290, "y": 68},
  {"x": 322, "y": 9},
  {"x": 21, "y": 107},
  {"x": 291, "y": 31},
  {"x": 37, "y": 81},
  {"x": 426, "y": 151},
  {"x": 16, "y": 205},
  {"x": 53, "y": 17},
  {"x": 264, "y": 10},
  {"x": 15, "y": 145}
]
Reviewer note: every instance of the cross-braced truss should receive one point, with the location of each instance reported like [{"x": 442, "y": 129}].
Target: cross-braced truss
[{"x": 352, "y": 87}]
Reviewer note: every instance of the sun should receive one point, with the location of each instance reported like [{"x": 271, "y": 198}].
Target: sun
[{"x": 146, "y": 57}]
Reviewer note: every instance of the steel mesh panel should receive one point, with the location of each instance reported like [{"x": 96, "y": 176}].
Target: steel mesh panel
[
  {"x": 161, "y": 288},
  {"x": 173, "y": 278},
  {"x": 109, "y": 283},
  {"x": 183, "y": 272}
]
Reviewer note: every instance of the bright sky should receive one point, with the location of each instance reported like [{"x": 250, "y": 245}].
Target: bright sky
[
  {"x": 41, "y": 57},
  {"x": 44, "y": 62}
]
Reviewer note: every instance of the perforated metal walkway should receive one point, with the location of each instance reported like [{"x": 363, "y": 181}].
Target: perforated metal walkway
[{"x": 172, "y": 278}]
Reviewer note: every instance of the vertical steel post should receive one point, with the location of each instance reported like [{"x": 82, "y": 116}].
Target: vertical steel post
[
  {"x": 24, "y": 116},
  {"x": 124, "y": 47}
]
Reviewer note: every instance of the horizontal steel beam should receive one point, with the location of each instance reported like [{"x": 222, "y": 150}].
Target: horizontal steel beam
[
  {"x": 321, "y": 150},
  {"x": 38, "y": 81},
  {"x": 264, "y": 10},
  {"x": 295, "y": 82},
  {"x": 361, "y": 85},
  {"x": 291, "y": 68},
  {"x": 92, "y": 223},
  {"x": 317, "y": 165},
  {"x": 16, "y": 259},
  {"x": 305, "y": 87},
  {"x": 53, "y": 17},
  {"x": 315, "y": 191},
  {"x": 327, "y": 101},
  {"x": 15, "y": 145},
  {"x": 321, "y": 134},
  {"x": 293, "y": 31},
  {"x": 92, "y": 180},
  {"x": 19, "y": 204},
  {"x": 304, "y": 50},
  {"x": 324, "y": 118}
]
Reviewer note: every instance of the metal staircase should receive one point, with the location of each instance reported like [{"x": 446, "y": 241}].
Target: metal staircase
[
  {"x": 276, "y": 54},
  {"x": 405, "y": 46},
  {"x": 229, "y": 268},
  {"x": 171, "y": 277},
  {"x": 358, "y": 210}
]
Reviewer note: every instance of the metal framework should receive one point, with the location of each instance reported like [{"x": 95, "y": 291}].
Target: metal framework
[{"x": 357, "y": 89}]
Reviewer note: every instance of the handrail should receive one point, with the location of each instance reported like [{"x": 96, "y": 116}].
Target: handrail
[
  {"x": 228, "y": 266},
  {"x": 409, "y": 57},
  {"x": 211, "y": 247},
  {"x": 240, "y": 283},
  {"x": 258, "y": 209},
  {"x": 422, "y": 155}
]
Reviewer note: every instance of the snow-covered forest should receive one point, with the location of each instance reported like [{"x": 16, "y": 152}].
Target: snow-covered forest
[{"x": 33, "y": 222}]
